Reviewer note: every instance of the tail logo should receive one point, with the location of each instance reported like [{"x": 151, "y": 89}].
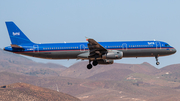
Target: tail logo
[{"x": 16, "y": 33}]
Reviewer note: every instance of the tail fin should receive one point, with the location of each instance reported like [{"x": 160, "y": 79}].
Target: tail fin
[{"x": 16, "y": 35}]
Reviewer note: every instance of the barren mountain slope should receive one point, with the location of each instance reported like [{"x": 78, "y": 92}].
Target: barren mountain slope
[
  {"x": 27, "y": 92},
  {"x": 15, "y": 63},
  {"x": 79, "y": 69}
]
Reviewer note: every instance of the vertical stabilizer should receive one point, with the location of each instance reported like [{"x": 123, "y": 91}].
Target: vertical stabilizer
[{"x": 16, "y": 35}]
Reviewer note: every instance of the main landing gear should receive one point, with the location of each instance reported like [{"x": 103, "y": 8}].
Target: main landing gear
[
  {"x": 95, "y": 63},
  {"x": 89, "y": 66},
  {"x": 157, "y": 63}
]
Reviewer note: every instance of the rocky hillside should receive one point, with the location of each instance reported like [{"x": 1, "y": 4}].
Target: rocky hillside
[
  {"x": 27, "y": 92},
  {"x": 17, "y": 64},
  {"x": 116, "y": 82},
  {"x": 79, "y": 70}
]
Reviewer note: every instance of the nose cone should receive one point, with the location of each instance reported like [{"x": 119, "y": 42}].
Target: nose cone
[{"x": 173, "y": 50}]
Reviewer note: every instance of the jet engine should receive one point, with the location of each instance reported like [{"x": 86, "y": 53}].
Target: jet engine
[
  {"x": 114, "y": 54},
  {"x": 105, "y": 61}
]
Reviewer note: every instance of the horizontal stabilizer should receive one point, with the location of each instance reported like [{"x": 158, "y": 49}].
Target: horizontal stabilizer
[{"x": 16, "y": 46}]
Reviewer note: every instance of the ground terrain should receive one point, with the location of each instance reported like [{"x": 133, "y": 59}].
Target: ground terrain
[{"x": 117, "y": 82}]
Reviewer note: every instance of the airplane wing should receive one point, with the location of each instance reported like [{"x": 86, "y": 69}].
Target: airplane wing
[{"x": 95, "y": 48}]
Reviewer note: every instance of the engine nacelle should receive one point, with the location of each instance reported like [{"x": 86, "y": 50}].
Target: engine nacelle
[
  {"x": 113, "y": 55},
  {"x": 105, "y": 61}
]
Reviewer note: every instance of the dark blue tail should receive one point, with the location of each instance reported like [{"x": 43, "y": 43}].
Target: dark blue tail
[{"x": 16, "y": 35}]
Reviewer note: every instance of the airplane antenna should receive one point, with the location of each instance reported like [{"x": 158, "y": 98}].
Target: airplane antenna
[
  {"x": 154, "y": 40},
  {"x": 64, "y": 41},
  {"x": 57, "y": 88}
]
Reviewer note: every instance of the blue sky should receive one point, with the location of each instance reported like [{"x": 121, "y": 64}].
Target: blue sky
[{"x": 55, "y": 21}]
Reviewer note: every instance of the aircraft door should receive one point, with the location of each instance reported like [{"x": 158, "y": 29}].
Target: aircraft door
[
  {"x": 124, "y": 46},
  {"x": 82, "y": 47},
  {"x": 158, "y": 45},
  {"x": 35, "y": 48}
]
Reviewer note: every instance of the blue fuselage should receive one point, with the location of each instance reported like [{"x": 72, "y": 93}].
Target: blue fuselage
[{"x": 73, "y": 50}]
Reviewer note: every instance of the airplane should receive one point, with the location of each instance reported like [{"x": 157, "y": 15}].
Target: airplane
[{"x": 95, "y": 52}]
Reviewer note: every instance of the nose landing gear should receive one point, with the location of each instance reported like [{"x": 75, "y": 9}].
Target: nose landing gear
[{"x": 157, "y": 63}]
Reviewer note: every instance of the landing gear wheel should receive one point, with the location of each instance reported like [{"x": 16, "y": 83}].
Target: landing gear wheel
[
  {"x": 95, "y": 63},
  {"x": 157, "y": 63},
  {"x": 89, "y": 66}
]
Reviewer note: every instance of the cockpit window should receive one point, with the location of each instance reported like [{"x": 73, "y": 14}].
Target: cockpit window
[{"x": 167, "y": 45}]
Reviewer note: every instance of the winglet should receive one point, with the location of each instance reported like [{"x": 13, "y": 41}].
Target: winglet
[{"x": 86, "y": 38}]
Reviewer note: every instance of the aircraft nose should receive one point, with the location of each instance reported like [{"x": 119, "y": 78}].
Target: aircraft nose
[{"x": 173, "y": 50}]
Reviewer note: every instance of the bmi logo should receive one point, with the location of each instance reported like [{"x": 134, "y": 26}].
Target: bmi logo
[{"x": 16, "y": 33}]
